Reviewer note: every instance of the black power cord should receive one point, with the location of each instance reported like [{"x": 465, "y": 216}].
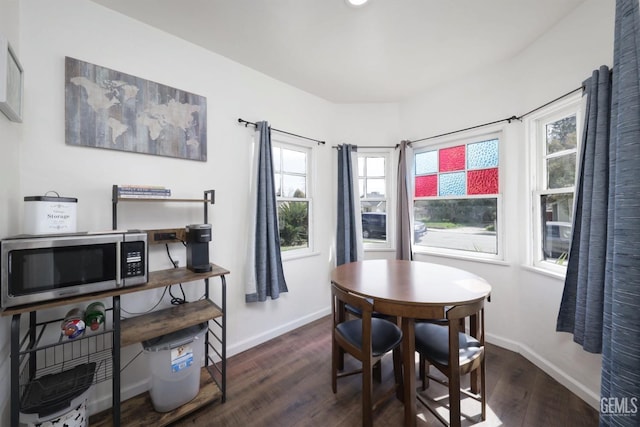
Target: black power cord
[{"x": 174, "y": 299}]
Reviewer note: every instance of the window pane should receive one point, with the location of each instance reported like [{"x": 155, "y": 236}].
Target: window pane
[
  {"x": 277, "y": 178},
  {"x": 361, "y": 169},
  {"x": 452, "y": 159},
  {"x": 293, "y": 222},
  {"x": 294, "y": 161},
  {"x": 374, "y": 221},
  {"x": 561, "y": 171},
  {"x": 462, "y": 224},
  {"x": 275, "y": 153},
  {"x": 453, "y": 184},
  {"x": 426, "y": 163},
  {"x": 375, "y": 166},
  {"x": 426, "y": 186},
  {"x": 294, "y": 186},
  {"x": 375, "y": 187},
  {"x": 482, "y": 155},
  {"x": 483, "y": 181},
  {"x": 561, "y": 135},
  {"x": 557, "y": 214},
  {"x": 361, "y": 187}
]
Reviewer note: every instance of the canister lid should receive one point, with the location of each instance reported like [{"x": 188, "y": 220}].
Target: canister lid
[
  {"x": 50, "y": 199},
  {"x": 175, "y": 339}
]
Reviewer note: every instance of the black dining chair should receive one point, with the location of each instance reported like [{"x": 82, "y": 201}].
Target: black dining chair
[
  {"x": 437, "y": 341},
  {"x": 367, "y": 339}
]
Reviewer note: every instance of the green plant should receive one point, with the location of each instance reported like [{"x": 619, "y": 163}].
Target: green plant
[
  {"x": 562, "y": 258},
  {"x": 293, "y": 223}
]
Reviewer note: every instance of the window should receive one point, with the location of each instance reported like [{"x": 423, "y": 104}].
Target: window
[
  {"x": 554, "y": 140},
  {"x": 291, "y": 175},
  {"x": 456, "y": 197},
  {"x": 374, "y": 198}
]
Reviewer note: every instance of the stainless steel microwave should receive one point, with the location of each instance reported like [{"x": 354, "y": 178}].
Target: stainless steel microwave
[{"x": 41, "y": 268}]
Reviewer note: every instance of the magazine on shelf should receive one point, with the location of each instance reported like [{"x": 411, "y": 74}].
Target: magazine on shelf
[{"x": 133, "y": 191}]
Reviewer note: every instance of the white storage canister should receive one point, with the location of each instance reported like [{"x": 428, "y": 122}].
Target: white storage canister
[{"x": 48, "y": 214}]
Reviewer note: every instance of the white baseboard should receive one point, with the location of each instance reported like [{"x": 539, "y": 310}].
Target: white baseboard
[
  {"x": 576, "y": 387},
  {"x": 282, "y": 329},
  {"x": 503, "y": 342}
]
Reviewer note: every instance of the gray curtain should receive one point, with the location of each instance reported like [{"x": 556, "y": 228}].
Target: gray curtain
[
  {"x": 403, "y": 213},
  {"x": 581, "y": 309},
  {"x": 347, "y": 231},
  {"x": 601, "y": 301},
  {"x": 269, "y": 275}
]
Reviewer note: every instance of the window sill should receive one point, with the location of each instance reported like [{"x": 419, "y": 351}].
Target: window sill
[
  {"x": 546, "y": 272},
  {"x": 379, "y": 249},
  {"x": 464, "y": 258},
  {"x": 292, "y": 257}
]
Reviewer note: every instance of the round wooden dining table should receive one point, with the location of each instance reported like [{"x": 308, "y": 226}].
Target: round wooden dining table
[{"x": 411, "y": 290}]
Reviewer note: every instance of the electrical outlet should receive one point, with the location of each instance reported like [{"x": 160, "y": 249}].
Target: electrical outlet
[
  {"x": 166, "y": 235},
  {"x": 158, "y": 237}
]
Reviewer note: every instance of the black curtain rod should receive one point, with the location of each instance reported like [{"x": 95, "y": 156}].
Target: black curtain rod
[
  {"x": 368, "y": 146},
  {"x": 510, "y": 119},
  {"x": 551, "y": 102},
  {"x": 246, "y": 123}
]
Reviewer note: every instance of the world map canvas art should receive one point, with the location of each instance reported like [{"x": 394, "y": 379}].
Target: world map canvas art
[{"x": 113, "y": 110}]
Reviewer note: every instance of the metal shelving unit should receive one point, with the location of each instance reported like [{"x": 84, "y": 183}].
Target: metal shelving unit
[{"x": 33, "y": 359}]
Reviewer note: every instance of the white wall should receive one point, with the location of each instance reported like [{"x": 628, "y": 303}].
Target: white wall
[
  {"x": 10, "y": 139},
  {"x": 525, "y": 302}
]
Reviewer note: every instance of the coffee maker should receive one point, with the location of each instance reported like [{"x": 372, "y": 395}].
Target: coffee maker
[{"x": 198, "y": 238}]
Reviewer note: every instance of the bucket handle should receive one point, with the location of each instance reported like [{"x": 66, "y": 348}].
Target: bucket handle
[{"x": 51, "y": 191}]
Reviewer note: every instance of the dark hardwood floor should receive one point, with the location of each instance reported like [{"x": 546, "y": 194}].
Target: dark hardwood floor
[{"x": 287, "y": 382}]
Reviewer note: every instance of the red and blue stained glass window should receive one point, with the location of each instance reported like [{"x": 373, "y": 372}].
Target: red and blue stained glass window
[{"x": 462, "y": 170}]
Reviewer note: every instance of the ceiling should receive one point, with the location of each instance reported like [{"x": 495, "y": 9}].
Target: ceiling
[{"x": 385, "y": 51}]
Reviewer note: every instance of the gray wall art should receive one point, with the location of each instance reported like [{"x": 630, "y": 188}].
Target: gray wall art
[{"x": 109, "y": 109}]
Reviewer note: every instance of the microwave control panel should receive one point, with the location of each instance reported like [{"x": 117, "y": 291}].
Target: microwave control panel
[{"x": 133, "y": 258}]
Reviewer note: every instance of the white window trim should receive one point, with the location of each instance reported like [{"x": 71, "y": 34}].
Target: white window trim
[
  {"x": 574, "y": 103},
  {"x": 291, "y": 143},
  {"x": 460, "y": 138},
  {"x": 390, "y": 180}
]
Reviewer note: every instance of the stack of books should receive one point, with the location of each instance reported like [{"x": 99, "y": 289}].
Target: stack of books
[{"x": 143, "y": 192}]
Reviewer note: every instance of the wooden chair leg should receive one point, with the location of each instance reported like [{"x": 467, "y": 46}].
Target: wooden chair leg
[
  {"x": 377, "y": 372},
  {"x": 423, "y": 366},
  {"x": 335, "y": 356},
  {"x": 397, "y": 373},
  {"x": 367, "y": 393},
  {"x": 483, "y": 390}
]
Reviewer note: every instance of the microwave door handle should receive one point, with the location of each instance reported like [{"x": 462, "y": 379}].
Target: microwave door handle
[{"x": 118, "y": 264}]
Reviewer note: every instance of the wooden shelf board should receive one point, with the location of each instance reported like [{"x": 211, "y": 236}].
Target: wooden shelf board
[
  {"x": 161, "y": 322},
  {"x": 157, "y": 279},
  {"x": 138, "y": 411}
]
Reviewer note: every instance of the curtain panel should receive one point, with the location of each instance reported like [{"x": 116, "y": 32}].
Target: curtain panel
[
  {"x": 265, "y": 276},
  {"x": 404, "y": 232},
  {"x": 349, "y": 245}
]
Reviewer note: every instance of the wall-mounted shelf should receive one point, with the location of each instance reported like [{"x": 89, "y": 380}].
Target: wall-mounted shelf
[{"x": 208, "y": 199}]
